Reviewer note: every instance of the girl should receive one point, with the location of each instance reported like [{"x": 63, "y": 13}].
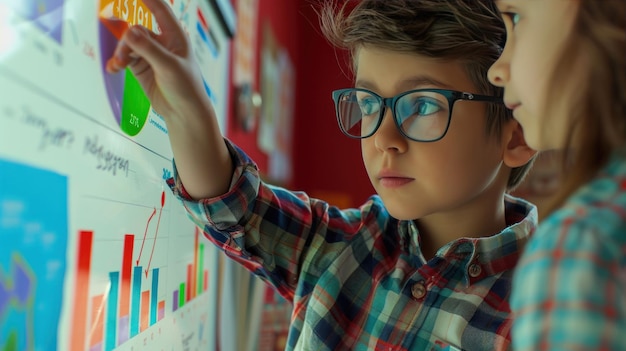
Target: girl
[{"x": 563, "y": 70}]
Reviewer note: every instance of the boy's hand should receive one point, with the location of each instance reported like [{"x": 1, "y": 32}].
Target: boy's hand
[{"x": 163, "y": 64}]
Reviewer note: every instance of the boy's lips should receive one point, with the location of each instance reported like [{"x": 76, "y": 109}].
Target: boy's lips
[
  {"x": 393, "y": 182},
  {"x": 392, "y": 179}
]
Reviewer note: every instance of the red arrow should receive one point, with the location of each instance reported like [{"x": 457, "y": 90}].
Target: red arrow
[
  {"x": 144, "y": 237},
  {"x": 156, "y": 233}
]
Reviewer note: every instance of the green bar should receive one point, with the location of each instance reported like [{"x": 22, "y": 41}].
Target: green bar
[
  {"x": 181, "y": 295},
  {"x": 200, "y": 266}
]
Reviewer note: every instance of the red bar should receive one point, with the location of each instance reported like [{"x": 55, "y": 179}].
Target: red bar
[
  {"x": 144, "y": 323},
  {"x": 194, "y": 277},
  {"x": 81, "y": 292},
  {"x": 189, "y": 279},
  {"x": 206, "y": 280},
  {"x": 202, "y": 20},
  {"x": 127, "y": 265},
  {"x": 161, "y": 310},
  {"x": 96, "y": 335}
]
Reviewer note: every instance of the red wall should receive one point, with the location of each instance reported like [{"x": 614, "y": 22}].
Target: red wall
[
  {"x": 326, "y": 163},
  {"x": 325, "y": 159},
  {"x": 280, "y": 15}
]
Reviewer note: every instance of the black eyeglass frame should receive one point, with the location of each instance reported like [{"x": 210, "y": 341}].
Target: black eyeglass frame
[{"x": 451, "y": 95}]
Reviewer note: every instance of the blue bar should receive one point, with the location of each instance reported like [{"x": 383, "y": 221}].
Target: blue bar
[
  {"x": 135, "y": 302},
  {"x": 154, "y": 296},
  {"x": 210, "y": 92},
  {"x": 207, "y": 39},
  {"x": 112, "y": 302}
]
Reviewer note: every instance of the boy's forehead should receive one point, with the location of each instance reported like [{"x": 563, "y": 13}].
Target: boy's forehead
[{"x": 388, "y": 70}]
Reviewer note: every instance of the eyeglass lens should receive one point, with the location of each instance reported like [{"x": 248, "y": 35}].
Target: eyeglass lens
[{"x": 421, "y": 115}]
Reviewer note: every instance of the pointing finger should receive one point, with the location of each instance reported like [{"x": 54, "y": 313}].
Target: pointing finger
[
  {"x": 164, "y": 16},
  {"x": 122, "y": 57},
  {"x": 142, "y": 43}
]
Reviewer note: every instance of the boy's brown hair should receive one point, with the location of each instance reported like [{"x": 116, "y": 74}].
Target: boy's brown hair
[{"x": 468, "y": 31}]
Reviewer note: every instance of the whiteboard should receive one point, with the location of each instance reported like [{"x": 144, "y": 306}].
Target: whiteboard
[{"x": 95, "y": 253}]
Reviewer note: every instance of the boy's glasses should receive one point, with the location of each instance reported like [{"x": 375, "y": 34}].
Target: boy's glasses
[{"x": 421, "y": 115}]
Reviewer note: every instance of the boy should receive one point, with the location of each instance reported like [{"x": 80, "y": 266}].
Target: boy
[{"x": 424, "y": 265}]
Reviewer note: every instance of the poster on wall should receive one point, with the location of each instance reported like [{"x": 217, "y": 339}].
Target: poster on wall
[
  {"x": 245, "y": 43},
  {"x": 96, "y": 252},
  {"x": 277, "y": 90}
]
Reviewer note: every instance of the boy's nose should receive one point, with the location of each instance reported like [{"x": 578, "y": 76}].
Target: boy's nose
[{"x": 388, "y": 137}]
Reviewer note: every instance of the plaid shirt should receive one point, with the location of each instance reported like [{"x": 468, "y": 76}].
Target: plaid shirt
[
  {"x": 570, "y": 289},
  {"x": 357, "y": 278}
]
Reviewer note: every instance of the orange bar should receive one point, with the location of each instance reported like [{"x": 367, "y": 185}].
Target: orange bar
[
  {"x": 194, "y": 275},
  {"x": 96, "y": 334},
  {"x": 145, "y": 310},
  {"x": 189, "y": 282},
  {"x": 161, "y": 310}
]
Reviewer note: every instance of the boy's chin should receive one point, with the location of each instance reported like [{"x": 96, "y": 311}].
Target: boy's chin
[{"x": 402, "y": 213}]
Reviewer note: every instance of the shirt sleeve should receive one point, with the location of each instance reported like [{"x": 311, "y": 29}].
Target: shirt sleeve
[
  {"x": 569, "y": 289},
  {"x": 282, "y": 236}
]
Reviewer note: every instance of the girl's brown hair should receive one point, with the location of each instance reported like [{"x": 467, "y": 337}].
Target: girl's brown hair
[
  {"x": 596, "y": 97},
  {"x": 466, "y": 31}
]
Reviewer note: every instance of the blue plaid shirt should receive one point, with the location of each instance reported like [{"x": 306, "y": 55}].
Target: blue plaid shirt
[
  {"x": 357, "y": 278},
  {"x": 570, "y": 289}
]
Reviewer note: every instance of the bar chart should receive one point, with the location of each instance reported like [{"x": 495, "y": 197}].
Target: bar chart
[
  {"x": 120, "y": 313},
  {"x": 111, "y": 307},
  {"x": 197, "y": 277},
  {"x": 95, "y": 251}
]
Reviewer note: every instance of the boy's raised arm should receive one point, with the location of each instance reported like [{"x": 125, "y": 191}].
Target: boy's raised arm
[{"x": 164, "y": 66}]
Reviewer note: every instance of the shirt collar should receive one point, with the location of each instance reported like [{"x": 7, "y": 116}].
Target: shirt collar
[{"x": 487, "y": 256}]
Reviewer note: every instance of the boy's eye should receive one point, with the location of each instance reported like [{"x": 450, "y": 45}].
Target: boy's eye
[
  {"x": 422, "y": 106},
  {"x": 514, "y": 17},
  {"x": 369, "y": 105}
]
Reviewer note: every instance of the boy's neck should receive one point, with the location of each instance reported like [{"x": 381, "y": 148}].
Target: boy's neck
[{"x": 474, "y": 221}]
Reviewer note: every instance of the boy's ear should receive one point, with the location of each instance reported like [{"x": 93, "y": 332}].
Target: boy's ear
[{"x": 516, "y": 152}]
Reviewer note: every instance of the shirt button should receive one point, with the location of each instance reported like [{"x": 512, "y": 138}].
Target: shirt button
[
  {"x": 418, "y": 290},
  {"x": 475, "y": 270}
]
